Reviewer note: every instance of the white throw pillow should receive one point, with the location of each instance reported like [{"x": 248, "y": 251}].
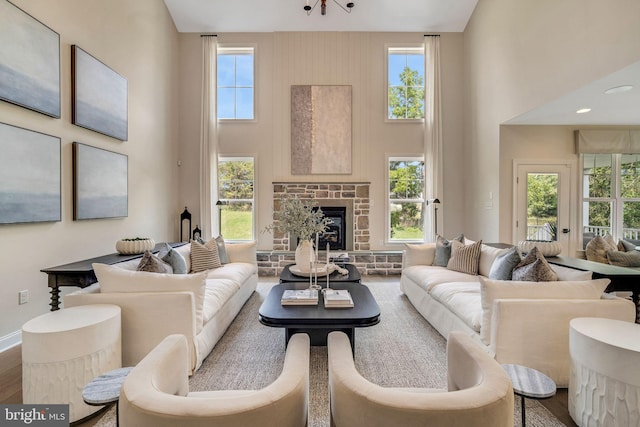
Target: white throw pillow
[
  {"x": 488, "y": 254},
  {"x": 114, "y": 279},
  {"x": 492, "y": 290},
  {"x": 242, "y": 252},
  {"x": 419, "y": 254}
]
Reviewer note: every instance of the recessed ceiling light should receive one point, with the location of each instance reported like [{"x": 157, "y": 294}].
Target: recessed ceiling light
[
  {"x": 618, "y": 89},
  {"x": 583, "y": 110}
]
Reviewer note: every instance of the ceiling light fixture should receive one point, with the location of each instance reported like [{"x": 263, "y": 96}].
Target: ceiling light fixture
[
  {"x": 323, "y": 6},
  {"x": 618, "y": 89},
  {"x": 583, "y": 110}
]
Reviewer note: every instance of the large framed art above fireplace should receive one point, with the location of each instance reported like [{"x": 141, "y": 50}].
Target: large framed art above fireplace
[{"x": 351, "y": 198}]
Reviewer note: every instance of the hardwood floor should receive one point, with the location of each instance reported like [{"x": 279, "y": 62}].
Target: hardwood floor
[{"x": 11, "y": 389}]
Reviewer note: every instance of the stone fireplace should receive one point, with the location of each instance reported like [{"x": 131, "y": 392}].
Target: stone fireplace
[{"x": 353, "y": 197}]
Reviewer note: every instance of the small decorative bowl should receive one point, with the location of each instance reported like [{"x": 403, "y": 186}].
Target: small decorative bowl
[
  {"x": 546, "y": 248},
  {"x": 134, "y": 246}
]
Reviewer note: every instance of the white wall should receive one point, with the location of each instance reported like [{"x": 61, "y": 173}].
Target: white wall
[
  {"x": 139, "y": 41},
  {"x": 520, "y": 55},
  {"x": 323, "y": 58}
]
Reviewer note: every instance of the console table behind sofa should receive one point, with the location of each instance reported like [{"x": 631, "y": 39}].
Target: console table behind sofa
[{"x": 80, "y": 273}]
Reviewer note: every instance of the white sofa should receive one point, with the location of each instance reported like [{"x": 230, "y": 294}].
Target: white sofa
[
  {"x": 517, "y": 322},
  {"x": 198, "y": 305}
]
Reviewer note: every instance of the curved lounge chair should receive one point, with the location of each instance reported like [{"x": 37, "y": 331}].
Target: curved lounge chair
[
  {"x": 480, "y": 392},
  {"x": 156, "y": 393}
]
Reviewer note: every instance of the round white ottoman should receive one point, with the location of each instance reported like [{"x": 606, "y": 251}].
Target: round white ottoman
[
  {"x": 62, "y": 351},
  {"x": 604, "y": 383}
]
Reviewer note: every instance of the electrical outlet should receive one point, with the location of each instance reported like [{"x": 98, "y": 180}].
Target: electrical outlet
[{"x": 23, "y": 297}]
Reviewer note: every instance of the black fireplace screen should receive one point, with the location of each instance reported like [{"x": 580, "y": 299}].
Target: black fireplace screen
[{"x": 336, "y": 232}]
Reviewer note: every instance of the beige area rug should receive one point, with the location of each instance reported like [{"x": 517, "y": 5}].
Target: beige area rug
[{"x": 403, "y": 350}]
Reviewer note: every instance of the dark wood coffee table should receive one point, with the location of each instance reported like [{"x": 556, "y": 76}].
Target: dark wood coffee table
[
  {"x": 316, "y": 320},
  {"x": 353, "y": 276}
]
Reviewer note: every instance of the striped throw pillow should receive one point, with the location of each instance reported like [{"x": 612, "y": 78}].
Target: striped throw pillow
[
  {"x": 204, "y": 257},
  {"x": 465, "y": 258}
]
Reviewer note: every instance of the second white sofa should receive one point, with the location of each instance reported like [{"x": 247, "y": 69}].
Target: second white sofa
[{"x": 524, "y": 323}]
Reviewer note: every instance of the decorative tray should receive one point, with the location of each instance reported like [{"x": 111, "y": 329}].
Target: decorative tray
[{"x": 322, "y": 269}]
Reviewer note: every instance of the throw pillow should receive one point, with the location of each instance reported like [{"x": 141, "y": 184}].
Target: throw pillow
[
  {"x": 204, "y": 257},
  {"x": 488, "y": 255},
  {"x": 153, "y": 264},
  {"x": 242, "y": 252},
  {"x": 624, "y": 259},
  {"x": 443, "y": 250},
  {"x": 222, "y": 250},
  {"x": 173, "y": 258},
  {"x": 596, "y": 249},
  {"x": 115, "y": 279},
  {"x": 534, "y": 268},
  {"x": 493, "y": 290},
  {"x": 418, "y": 254},
  {"x": 502, "y": 267},
  {"x": 465, "y": 258},
  {"x": 626, "y": 246}
]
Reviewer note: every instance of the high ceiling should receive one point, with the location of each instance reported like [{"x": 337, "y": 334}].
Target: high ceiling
[
  {"x": 429, "y": 16},
  {"x": 203, "y": 16}
]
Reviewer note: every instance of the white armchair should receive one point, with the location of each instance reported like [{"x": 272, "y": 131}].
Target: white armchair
[
  {"x": 479, "y": 392},
  {"x": 156, "y": 393}
]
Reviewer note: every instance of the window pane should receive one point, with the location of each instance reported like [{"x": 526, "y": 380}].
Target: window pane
[
  {"x": 542, "y": 206},
  {"x": 597, "y": 175},
  {"x": 237, "y": 221},
  {"x": 235, "y": 178},
  {"x": 226, "y": 103},
  {"x": 596, "y": 219},
  {"x": 396, "y": 65},
  {"x": 226, "y": 70},
  {"x": 406, "y": 221},
  {"x": 244, "y": 70},
  {"x": 405, "y": 77},
  {"x": 630, "y": 176},
  {"x": 244, "y": 103},
  {"x": 631, "y": 220},
  {"x": 416, "y": 62}
]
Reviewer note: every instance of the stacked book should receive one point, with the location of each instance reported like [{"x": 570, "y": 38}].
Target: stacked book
[
  {"x": 299, "y": 297},
  {"x": 337, "y": 298}
]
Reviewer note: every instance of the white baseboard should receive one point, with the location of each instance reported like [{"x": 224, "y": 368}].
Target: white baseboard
[{"x": 11, "y": 340}]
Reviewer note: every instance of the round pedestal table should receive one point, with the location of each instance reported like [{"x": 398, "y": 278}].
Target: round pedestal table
[
  {"x": 604, "y": 382},
  {"x": 64, "y": 350}
]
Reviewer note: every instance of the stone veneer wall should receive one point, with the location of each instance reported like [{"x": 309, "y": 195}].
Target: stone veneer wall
[
  {"x": 379, "y": 263},
  {"x": 358, "y": 193}
]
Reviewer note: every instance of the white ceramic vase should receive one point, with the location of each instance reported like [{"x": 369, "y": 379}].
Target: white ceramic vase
[{"x": 305, "y": 255}]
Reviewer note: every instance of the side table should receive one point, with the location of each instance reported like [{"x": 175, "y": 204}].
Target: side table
[
  {"x": 528, "y": 382},
  {"x": 105, "y": 389}
]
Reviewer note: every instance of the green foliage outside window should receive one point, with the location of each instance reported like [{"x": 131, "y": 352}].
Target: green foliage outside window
[
  {"x": 407, "y": 101},
  {"x": 406, "y": 189}
]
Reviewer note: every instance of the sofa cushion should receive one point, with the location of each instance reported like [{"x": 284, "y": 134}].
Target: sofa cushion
[
  {"x": 429, "y": 276},
  {"x": 492, "y": 290},
  {"x": 463, "y": 299},
  {"x": 596, "y": 249},
  {"x": 238, "y": 272},
  {"x": 465, "y": 258},
  {"x": 217, "y": 293},
  {"x": 502, "y": 268},
  {"x": 204, "y": 257},
  {"x": 566, "y": 273},
  {"x": 488, "y": 255},
  {"x": 534, "y": 268},
  {"x": 624, "y": 259},
  {"x": 443, "y": 250},
  {"x": 153, "y": 264},
  {"x": 115, "y": 279},
  {"x": 419, "y": 254},
  {"x": 173, "y": 258}
]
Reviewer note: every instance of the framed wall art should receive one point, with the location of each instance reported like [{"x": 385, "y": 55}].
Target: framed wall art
[
  {"x": 29, "y": 61},
  {"x": 320, "y": 130},
  {"x": 99, "y": 96},
  {"x": 29, "y": 176},
  {"x": 99, "y": 183}
]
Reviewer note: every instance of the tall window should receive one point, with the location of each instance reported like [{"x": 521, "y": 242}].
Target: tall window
[
  {"x": 236, "y": 88},
  {"x": 405, "y": 78},
  {"x": 406, "y": 198},
  {"x": 611, "y": 195},
  {"x": 236, "y": 198}
]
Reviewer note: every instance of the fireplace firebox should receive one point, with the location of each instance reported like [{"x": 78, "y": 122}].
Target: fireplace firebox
[{"x": 336, "y": 232}]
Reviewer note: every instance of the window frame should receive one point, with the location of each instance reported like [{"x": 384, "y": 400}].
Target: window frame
[
  {"x": 408, "y": 48},
  {"x": 389, "y": 200},
  {"x": 239, "y": 158},
  {"x": 235, "y": 49}
]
